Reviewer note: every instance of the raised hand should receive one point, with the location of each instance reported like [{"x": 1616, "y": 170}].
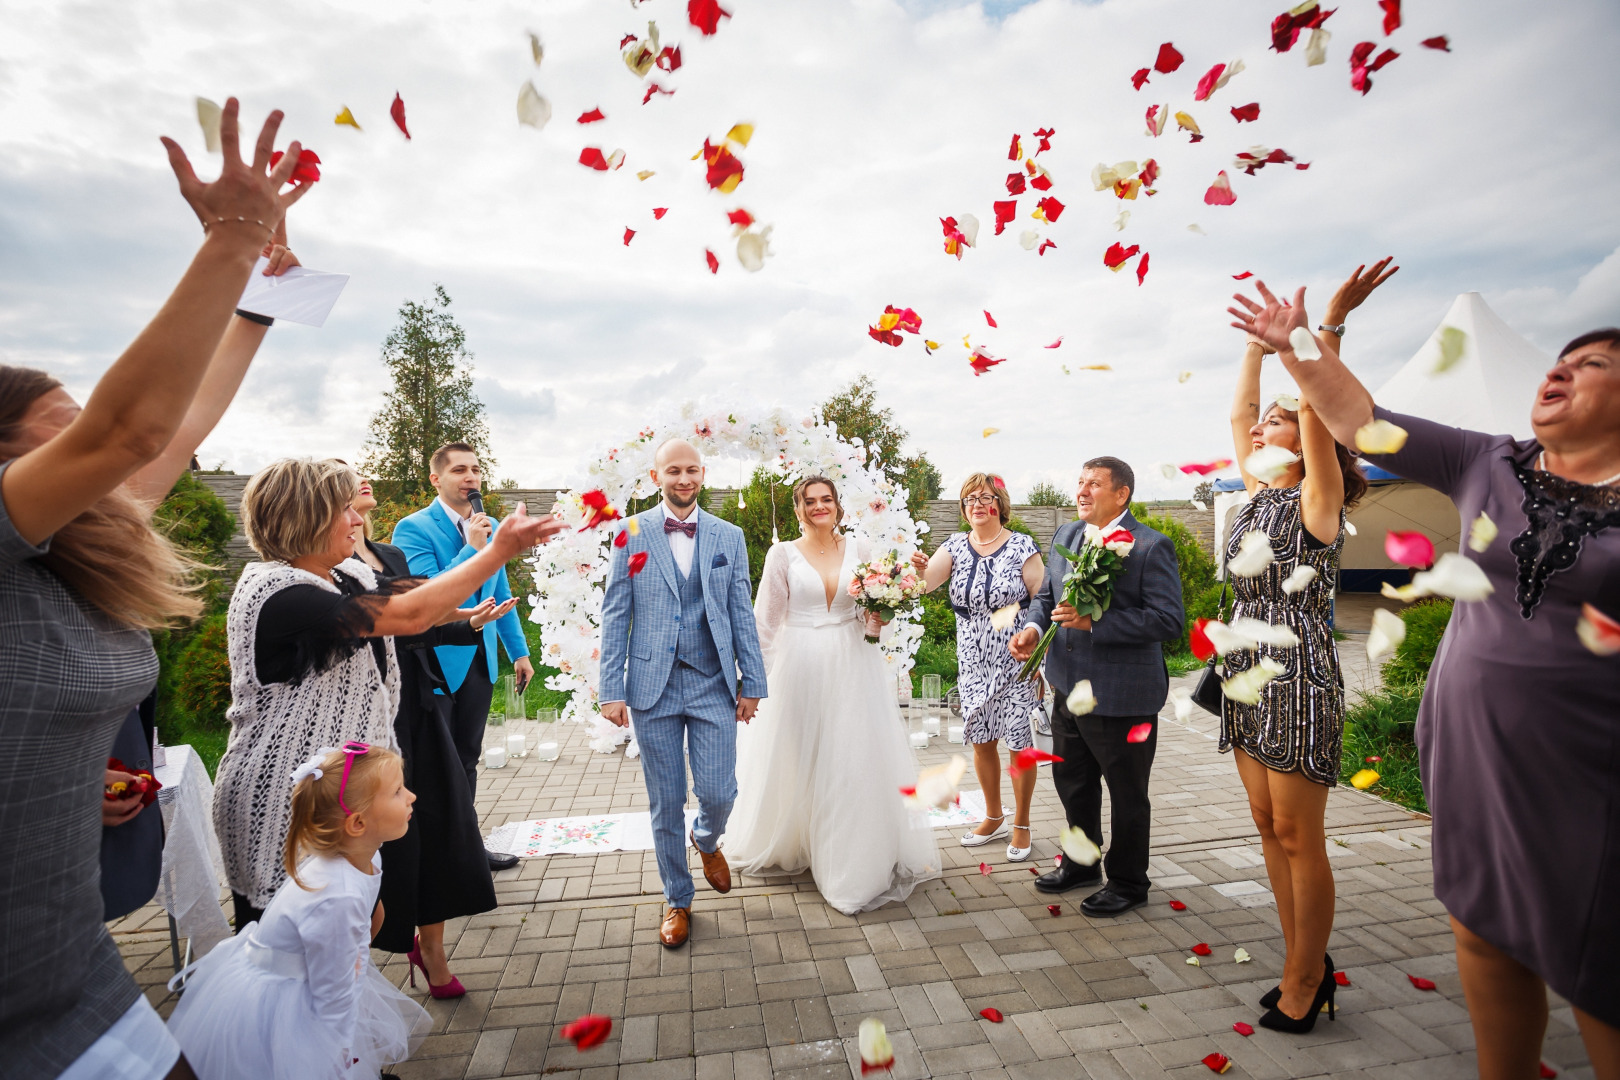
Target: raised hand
[
  {"x": 1272, "y": 322},
  {"x": 519, "y": 532},
  {"x": 280, "y": 255},
  {"x": 1357, "y": 287},
  {"x": 244, "y": 194}
]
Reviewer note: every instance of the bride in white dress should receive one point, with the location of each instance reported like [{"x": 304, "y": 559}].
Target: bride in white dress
[{"x": 819, "y": 770}]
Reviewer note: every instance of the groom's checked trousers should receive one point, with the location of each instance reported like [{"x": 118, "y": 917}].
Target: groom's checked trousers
[{"x": 696, "y": 711}]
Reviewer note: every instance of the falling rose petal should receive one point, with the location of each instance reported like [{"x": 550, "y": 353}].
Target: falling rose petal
[
  {"x": 1045, "y": 137},
  {"x": 623, "y": 539},
  {"x": 1316, "y": 47},
  {"x": 1168, "y": 59},
  {"x": 1289, "y": 402},
  {"x": 741, "y": 134},
  {"x": 982, "y": 361},
  {"x": 1044, "y": 245},
  {"x": 740, "y": 218},
  {"x": 1341, "y": 978},
  {"x": 307, "y": 171},
  {"x": 1015, "y": 152},
  {"x": 1453, "y": 344},
  {"x": 1139, "y": 733},
  {"x": 1005, "y": 210},
  {"x": 1599, "y": 633},
  {"x": 346, "y": 119},
  {"x": 1108, "y": 177},
  {"x": 208, "y": 115},
  {"x": 706, "y": 15},
  {"x": 753, "y": 248},
  {"x": 1269, "y": 462},
  {"x": 1246, "y": 685},
  {"x": 1015, "y": 183},
  {"x": 1003, "y": 618},
  {"x": 1241, "y": 955},
  {"x": 1204, "y": 468},
  {"x": 537, "y": 50},
  {"x": 669, "y": 58},
  {"x": 1386, "y": 635},
  {"x": 1375, "y": 759},
  {"x": 1142, "y": 268},
  {"x": 654, "y": 88},
  {"x": 1077, "y": 846},
  {"x": 397, "y": 111},
  {"x": 1456, "y": 576},
  {"x": 1220, "y": 192},
  {"x": 1380, "y": 437},
  {"x": 645, "y": 174},
  {"x": 937, "y": 786},
  {"x": 1140, "y": 79},
  {"x": 589, "y": 1030},
  {"x": 1035, "y": 871},
  {"x": 877, "y": 1052},
  {"x": 714, "y": 263},
  {"x": 1392, "y": 15},
  {"x": 1247, "y": 113},
  {"x": 1054, "y": 910},
  {"x": 984, "y": 868},
  {"x": 1245, "y": 274},
  {"x": 1243, "y": 1029},
  {"x": 1157, "y": 117},
  {"x": 1096, "y": 367},
  {"x": 1304, "y": 344},
  {"x": 1286, "y": 28},
  {"x": 1054, "y": 344},
  {"x": 1039, "y": 178},
  {"x": 591, "y": 157},
  {"x": 616, "y": 159},
  {"x": 532, "y": 109},
  {"x": 1421, "y": 983},
  {"x": 1254, "y": 554},
  {"x": 1193, "y": 961},
  {"x": 658, "y": 211},
  {"x": 1299, "y": 580},
  {"x": 629, "y": 233},
  {"x": 1185, "y": 122},
  {"x": 992, "y": 1015},
  {"x": 1150, "y": 172},
  {"x": 970, "y": 229},
  {"x": 724, "y": 172},
  {"x": 1226, "y": 76},
  {"x": 989, "y": 318},
  {"x": 1201, "y": 949},
  {"x": 1081, "y": 700},
  {"x": 1364, "y": 779},
  {"x": 1028, "y": 758},
  {"x": 1048, "y": 209},
  {"x": 1177, "y": 905},
  {"x": 1409, "y": 549},
  {"x": 1441, "y": 43},
  {"x": 591, "y": 117},
  {"x": 1206, "y": 85},
  {"x": 1118, "y": 255},
  {"x": 1198, "y": 639}
]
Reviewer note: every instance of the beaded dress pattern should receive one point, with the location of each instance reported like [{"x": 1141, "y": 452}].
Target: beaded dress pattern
[
  {"x": 1298, "y": 723},
  {"x": 1561, "y": 513}
]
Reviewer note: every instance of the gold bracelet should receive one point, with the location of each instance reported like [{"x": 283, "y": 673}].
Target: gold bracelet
[{"x": 239, "y": 219}]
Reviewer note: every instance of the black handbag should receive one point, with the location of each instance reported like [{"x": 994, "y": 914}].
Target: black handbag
[{"x": 1207, "y": 694}]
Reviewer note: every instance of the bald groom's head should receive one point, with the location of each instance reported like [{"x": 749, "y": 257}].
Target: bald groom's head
[{"x": 678, "y": 471}]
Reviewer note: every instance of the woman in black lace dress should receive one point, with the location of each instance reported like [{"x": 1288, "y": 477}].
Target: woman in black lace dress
[
  {"x": 1519, "y": 731},
  {"x": 1287, "y": 743}
]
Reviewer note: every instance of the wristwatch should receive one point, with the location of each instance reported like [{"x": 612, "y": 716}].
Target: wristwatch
[{"x": 1330, "y": 328}]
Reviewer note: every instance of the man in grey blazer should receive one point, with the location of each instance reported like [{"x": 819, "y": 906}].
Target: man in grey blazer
[
  {"x": 680, "y": 652},
  {"x": 1121, "y": 653}
]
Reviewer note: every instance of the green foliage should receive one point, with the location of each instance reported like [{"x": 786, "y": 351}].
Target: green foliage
[
  {"x": 755, "y": 519},
  {"x": 197, "y": 521},
  {"x": 203, "y": 674},
  {"x": 938, "y": 617},
  {"x": 1045, "y": 494},
  {"x": 855, "y": 413},
  {"x": 935, "y": 658},
  {"x": 1381, "y": 725},
  {"x": 1426, "y": 623},
  {"x": 430, "y": 403}
]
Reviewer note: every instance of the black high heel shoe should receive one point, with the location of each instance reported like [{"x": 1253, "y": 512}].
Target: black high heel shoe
[
  {"x": 1270, "y": 998},
  {"x": 1277, "y": 1020}
]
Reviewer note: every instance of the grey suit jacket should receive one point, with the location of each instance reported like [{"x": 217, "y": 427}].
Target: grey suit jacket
[{"x": 1122, "y": 653}]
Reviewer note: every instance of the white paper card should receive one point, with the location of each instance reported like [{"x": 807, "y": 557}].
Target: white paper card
[{"x": 300, "y": 295}]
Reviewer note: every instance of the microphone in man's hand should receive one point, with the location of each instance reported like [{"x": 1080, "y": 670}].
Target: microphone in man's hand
[{"x": 476, "y": 500}]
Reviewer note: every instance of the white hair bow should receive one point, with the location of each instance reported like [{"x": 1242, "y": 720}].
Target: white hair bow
[{"x": 312, "y": 767}]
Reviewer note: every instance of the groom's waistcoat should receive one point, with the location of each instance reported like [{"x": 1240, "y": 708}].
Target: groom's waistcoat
[{"x": 694, "y": 645}]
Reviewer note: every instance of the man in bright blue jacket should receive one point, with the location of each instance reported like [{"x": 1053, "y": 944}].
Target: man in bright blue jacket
[{"x": 446, "y": 534}]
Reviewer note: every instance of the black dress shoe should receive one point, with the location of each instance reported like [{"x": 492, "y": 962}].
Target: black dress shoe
[
  {"x": 499, "y": 860},
  {"x": 1068, "y": 875},
  {"x": 1109, "y": 901}
]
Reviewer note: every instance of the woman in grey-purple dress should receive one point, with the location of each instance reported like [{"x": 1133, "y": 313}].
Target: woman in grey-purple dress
[{"x": 1519, "y": 731}]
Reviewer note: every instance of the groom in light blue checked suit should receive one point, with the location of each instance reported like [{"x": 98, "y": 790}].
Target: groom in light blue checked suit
[{"x": 680, "y": 652}]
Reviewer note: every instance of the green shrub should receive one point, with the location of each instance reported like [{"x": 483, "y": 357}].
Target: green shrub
[
  {"x": 935, "y": 658},
  {"x": 755, "y": 518},
  {"x": 938, "y": 617},
  {"x": 1380, "y": 725},
  {"x": 1426, "y": 623},
  {"x": 1046, "y": 494},
  {"x": 202, "y": 684}
]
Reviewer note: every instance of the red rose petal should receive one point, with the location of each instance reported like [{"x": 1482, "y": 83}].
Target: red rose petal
[
  {"x": 1168, "y": 59},
  {"x": 1051, "y": 208},
  {"x": 1141, "y": 272},
  {"x": 1015, "y": 183},
  {"x": 1412, "y": 549},
  {"x": 1547, "y": 1072},
  {"x": 1245, "y": 113},
  {"x": 1243, "y": 1029},
  {"x": 1140, "y": 78},
  {"x": 909, "y": 790},
  {"x": 592, "y": 158},
  {"x": 984, "y": 868},
  {"x": 1198, "y": 641},
  {"x": 705, "y": 15},
  {"x": 1217, "y": 1062},
  {"x": 1118, "y": 255},
  {"x": 1206, "y": 85},
  {"x": 1421, "y": 983},
  {"x": 654, "y": 88},
  {"x": 1375, "y": 759},
  {"x": 1177, "y": 905},
  {"x": 1440, "y": 42},
  {"x": 1016, "y": 150},
  {"x": 1034, "y": 870},
  {"x": 1044, "y": 245},
  {"x": 1005, "y": 210},
  {"x": 740, "y": 217},
  {"x": 1245, "y": 274},
  {"x": 628, "y": 234},
  {"x": 714, "y": 263},
  {"x": 1030, "y": 757},
  {"x": 1392, "y": 15},
  {"x": 397, "y": 111},
  {"x": 659, "y": 212},
  {"x": 992, "y": 1015},
  {"x": 1140, "y": 732},
  {"x": 1341, "y": 978},
  {"x": 989, "y": 318},
  {"x": 591, "y": 117},
  {"x": 588, "y": 1031},
  {"x": 638, "y": 563},
  {"x": 669, "y": 59},
  {"x": 1201, "y": 949},
  {"x": 1054, "y": 909},
  {"x": 1220, "y": 192}
]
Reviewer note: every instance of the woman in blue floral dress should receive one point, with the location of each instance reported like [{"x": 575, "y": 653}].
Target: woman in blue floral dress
[{"x": 990, "y": 568}]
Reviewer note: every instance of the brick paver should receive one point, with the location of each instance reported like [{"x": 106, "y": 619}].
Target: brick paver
[{"x": 774, "y": 983}]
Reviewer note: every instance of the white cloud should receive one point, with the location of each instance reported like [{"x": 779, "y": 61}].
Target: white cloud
[{"x": 1482, "y": 169}]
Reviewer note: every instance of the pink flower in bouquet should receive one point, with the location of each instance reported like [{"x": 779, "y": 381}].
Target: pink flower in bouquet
[
  {"x": 908, "y": 582},
  {"x": 855, "y": 588}
]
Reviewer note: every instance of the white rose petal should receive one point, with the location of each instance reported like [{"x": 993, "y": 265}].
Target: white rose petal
[
  {"x": 1481, "y": 532},
  {"x": 1289, "y": 402},
  {"x": 532, "y": 109},
  {"x": 1077, "y": 847},
  {"x": 1457, "y": 576},
  {"x": 1081, "y": 700},
  {"x": 1254, "y": 555},
  {"x": 1198, "y": 504},
  {"x": 1245, "y": 686},
  {"x": 1169, "y": 471},
  {"x": 1196, "y": 228},
  {"x": 1350, "y": 527},
  {"x": 1264, "y": 633},
  {"x": 968, "y": 225},
  {"x": 1269, "y": 462},
  {"x": 1181, "y": 698},
  {"x": 1241, "y": 955},
  {"x": 208, "y": 115},
  {"x": 1004, "y": 618},
  {"x": 1388, "y": 631},
  {"x": 1380, "y": 437},
  {"x": 1028, "y": 239},
  {"x": 937, "y": 786},
  {"x": 752, "y": 248},
  {"x": 875, "y": 1048},
  {"x": 1298, "y": 581},
  {"x": 1316, "y": 47},
  {"x": 1184, "y": 376},
  {"x": 1304, "y": 344},
  {"x": 1119, "y": 222}
]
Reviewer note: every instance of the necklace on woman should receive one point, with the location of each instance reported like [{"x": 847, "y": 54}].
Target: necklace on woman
[
  {"x": 1541, "y": 466},
  {"x": 993, "y": 539},
  {"x": 823, "y": 551}
]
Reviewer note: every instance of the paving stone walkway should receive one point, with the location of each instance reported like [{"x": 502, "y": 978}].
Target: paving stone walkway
[{"x": 774, "y": 983}]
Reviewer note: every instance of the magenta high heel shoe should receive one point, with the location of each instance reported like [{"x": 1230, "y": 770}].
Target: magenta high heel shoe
[{"x": 451, "y": 989}]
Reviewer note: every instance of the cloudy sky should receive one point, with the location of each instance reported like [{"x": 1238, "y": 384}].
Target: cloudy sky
[{"x": 1490, "y": 168}]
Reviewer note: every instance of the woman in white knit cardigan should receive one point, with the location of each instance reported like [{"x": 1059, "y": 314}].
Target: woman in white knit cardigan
[{"x": 310, "y": 632}]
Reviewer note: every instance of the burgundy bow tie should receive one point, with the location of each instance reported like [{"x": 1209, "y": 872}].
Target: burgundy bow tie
[{"x": 687, "y": 527}]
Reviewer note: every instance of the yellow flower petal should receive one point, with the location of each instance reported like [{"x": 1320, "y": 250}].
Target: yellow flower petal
[
  {"x": 1481, "y": 532},
  {"x": 644, "y": 174},
  {"x": 1453, "y": 343},
  {"x": 1380, "y": 437},
  {"x": 1184, "y": 376},
  {"x": 1364, "y": 779},
  {"x": 1078, "y": 847},
  {"x": 347, "y": 118},
  {"x": 1241, "y": 955},
  {"x": 989, "y": 431},
  {"x": 740, "y": 134}
]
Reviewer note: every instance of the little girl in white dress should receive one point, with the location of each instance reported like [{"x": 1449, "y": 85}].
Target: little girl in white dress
[{"x": 296, "y": 995}]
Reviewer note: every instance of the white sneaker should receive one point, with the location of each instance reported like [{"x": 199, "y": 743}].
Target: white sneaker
[
  {"x": 973, "y": 839},
  {"x": 1019, "y": 854}
]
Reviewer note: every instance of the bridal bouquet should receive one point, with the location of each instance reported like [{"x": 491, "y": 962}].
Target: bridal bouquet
[
  {"x": 885, "y": 587},
  {"x": 1088, "y": 587}
]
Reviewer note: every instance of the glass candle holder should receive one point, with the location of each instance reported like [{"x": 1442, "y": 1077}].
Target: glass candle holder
[
  {"x": 546, "y": 751},
  {"x": 954, "y": 733},
  {"x": 919, "y": 740},
  {"x": 517, "y": 745},
  {"x": 495, "y": 757},
  {"x": 930, "y": 724},
  {"x": 545, "y": 716}
]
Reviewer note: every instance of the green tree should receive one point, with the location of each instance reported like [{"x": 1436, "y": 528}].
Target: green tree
[
  {"x": 431, "y": 402},
  {"x": 1045, "y": 494},
  {"x": 854, "y": 411},
  {"x": 755, "y": 518}
]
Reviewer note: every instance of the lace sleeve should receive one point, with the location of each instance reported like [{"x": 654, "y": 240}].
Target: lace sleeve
[{"x": 771, "y": 603}]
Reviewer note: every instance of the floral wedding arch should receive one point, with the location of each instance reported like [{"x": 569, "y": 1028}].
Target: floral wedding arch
[{"x": 570, "y": 573}]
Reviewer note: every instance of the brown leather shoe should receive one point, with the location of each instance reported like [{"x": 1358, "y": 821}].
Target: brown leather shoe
[
  {"x": 676, "y": 925},
  {"x": 716, "y": 871}
]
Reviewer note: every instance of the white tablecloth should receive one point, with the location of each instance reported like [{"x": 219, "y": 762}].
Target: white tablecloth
[{"x": 193, "y": 871}]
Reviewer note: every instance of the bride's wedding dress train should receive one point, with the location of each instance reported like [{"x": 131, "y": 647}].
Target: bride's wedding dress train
[{"x": 820, "y": 767}]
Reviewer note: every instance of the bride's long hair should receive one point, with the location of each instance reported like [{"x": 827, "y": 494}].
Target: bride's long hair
[{"x": 805, "y": 485}]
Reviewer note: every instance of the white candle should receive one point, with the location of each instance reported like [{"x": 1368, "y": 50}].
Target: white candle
[
  {"x": 547, "y": 751},
  {"x": 919, "y": 740},
  {"x": 954, "y": 733},
  {"x": 515, "y": 746},
  {"x": 931, "y": 725},
  {"x": 495, "y": 757}
]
